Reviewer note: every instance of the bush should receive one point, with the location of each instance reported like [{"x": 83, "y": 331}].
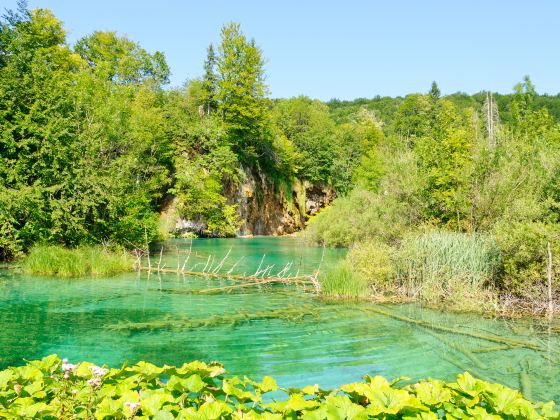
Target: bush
[
  {"x": 342, "y": 280},
  {"x": 523, "y": 251},
  {"x": 456, "y": 267},
  {"x": 96, "y": 261},
  {"x": 372, "y": 260},
  {"x": 360, "y": 216},
  {"x": 384, "y": 214},
  {"x": 54, "y": 388}
]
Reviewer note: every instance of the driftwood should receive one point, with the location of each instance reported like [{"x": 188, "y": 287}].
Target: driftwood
[
  {"x": 525, "y": 380},
  {"x": 257, "y": 280},
  {"x": 464, "y": 368}
]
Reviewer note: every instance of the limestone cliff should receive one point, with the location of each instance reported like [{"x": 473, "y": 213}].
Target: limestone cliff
[{"x": 266, "y": 206}]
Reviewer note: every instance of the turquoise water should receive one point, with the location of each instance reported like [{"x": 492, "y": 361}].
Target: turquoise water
[{"x": 158, "y": 318}]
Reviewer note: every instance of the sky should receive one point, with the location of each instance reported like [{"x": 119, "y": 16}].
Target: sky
[{"x": 345, "y": 49}]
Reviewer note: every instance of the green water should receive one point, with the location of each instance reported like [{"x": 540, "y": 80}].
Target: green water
[{"x": 338, "y": 344}]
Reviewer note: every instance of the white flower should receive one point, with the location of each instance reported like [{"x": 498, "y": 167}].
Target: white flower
[
  {"x": 98, "y": 371},
  {"x": 94, "y": 382},
  {"x": 68, "y": 367},
  {"x": 134, "y": 406}
]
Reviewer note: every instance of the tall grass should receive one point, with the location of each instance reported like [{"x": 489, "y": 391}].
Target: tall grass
[
  {"x": 94, "y": 261},
  {"x": 343, "y": 281},
  {"x": 438, "y": 266}
]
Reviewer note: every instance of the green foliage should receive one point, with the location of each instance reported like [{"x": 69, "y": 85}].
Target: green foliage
[
  {"x": 374, "y": 261},
  {"x": 436, "y": 267},
  {"x": 384, "y": 214},
  {"x": 240, "y": 93},
  {"x": 121, "y": 60},
  {"x": 78, "y": 262},
  {"x": 440, "y": 166},
  {"x": 307, "y": 125},
  {"x": 343, "y": 281},
  {"x": 83, "y": 156},
  {"x": 524, "y": 258},
  {"x": 92, "y": 147},
  {"x": 54, "y": 388},
  {"x": 203, "y": 162}
]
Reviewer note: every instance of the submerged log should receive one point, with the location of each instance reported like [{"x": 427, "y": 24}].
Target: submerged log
[
  {"x": 465, "y": 352},
  {"x": 290, "y": 313},
  {"x": 493, "y": 349},
  {"x": 425, "y": 324}
]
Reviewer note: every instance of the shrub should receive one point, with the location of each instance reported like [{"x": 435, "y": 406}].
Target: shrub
[
  {"x": 372, "y": 260},
  {"x": 54, "y": 388},
  {"x": 439, "y": 265},
  {"x": 523, "y": 252},
  {"x": 52, "y": 260},
  {"x": 360, "y": 216},
  {"x": 384, "y": 214},
  {"x": 342, "y": 280}
]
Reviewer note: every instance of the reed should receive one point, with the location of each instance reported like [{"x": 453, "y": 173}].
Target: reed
[
  {"x": 437, "y": 266},
  {"x": 95, "y": 261},
  {"x": 343, "y": 281}
]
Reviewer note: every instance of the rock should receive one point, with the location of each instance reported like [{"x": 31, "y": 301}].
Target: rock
[
  {"x": 269, "y": 207},
  {"x": 266, "y": 206}
]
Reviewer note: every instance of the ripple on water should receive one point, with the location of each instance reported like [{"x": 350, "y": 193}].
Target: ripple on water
[{"x": 71, "y": 318}]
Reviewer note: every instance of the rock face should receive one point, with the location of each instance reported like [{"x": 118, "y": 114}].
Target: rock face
[
  {"x": 270, "y": 207},
  {"x": 266, "y": 206}
]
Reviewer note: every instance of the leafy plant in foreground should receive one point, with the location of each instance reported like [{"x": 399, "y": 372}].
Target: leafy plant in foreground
[{"x": 54, "y": 388}]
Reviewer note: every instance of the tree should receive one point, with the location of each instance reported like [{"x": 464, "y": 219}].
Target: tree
[
  {"x": 307, "y": 125},
  {"x": 434, "y": 93},
  {"x": 209, "y": 82},
  {"x": 241, "y": 92},
  {"x": 83, "y": 158},
  {"x": 491, "y": 118},
  {"x": 122, "y": 60}
]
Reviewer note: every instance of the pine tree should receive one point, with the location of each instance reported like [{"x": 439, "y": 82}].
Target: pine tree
[
  {"x": 241, "y": 92},
  {"x": 434, "y": 93}
]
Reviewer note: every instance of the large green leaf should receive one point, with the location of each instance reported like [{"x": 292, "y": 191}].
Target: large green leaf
[{"x": 152, "y": 401}]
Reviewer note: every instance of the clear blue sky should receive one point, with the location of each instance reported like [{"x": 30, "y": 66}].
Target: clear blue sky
[{"x": 346, "y": 49}]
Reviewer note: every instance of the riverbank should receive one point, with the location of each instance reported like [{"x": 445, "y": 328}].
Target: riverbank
[{"x": 456, "y": 271}]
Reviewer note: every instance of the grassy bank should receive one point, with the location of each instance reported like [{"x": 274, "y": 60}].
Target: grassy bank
[
  {"x": 54, "y": 388},
  {"x": 457, "y": 270},
  {"x": 94, "y": 261}
]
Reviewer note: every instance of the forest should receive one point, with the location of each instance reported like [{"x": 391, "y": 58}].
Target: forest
[{"x": 437, "y": 197}]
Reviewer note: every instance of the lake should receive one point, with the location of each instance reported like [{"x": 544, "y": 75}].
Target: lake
[{"x": 163, "y": 319}]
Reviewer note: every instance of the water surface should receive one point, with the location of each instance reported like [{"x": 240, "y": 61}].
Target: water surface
[{"x": 310, "y": 342}]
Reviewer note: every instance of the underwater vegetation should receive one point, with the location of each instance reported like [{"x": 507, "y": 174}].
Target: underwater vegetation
[{"x": 291, "y": 313}]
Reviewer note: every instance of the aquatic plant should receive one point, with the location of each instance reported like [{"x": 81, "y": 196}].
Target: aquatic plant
[
  {"x": 291, "y": 313},
  {"x": 374, "y": 261},
  {"x": 55, "y": 388},
  {"x": 455, "y": 267},
  {"x": 342, "y": 280},
  {"x": 94, "y": 261}
]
